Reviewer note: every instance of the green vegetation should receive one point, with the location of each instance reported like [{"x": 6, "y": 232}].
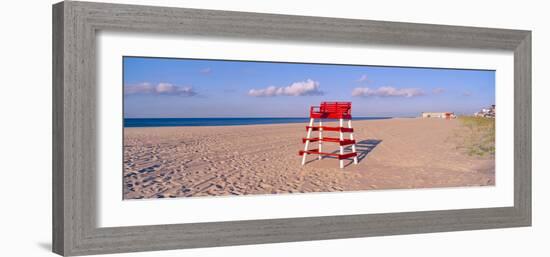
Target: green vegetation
[{"x": 478, "y": 136}]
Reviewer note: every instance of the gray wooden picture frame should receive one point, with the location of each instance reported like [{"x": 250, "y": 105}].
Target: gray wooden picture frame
[{"x": 75, "y": 25}]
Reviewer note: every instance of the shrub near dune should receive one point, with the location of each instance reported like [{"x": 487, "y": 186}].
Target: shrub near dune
[{"x": 478, "y": 136}]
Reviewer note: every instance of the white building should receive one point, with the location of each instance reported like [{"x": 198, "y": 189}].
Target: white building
[
  {"x": 441, "y": 115},
  {"x": 488, "y": 112}
]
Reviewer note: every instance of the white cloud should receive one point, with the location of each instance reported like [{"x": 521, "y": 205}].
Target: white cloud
[
  {"x": 159, "y": 89},
  {"x": 467, "y": 93},
  {"x": 206, "y": 71},
  {"x": 387, "y": 92},
  {"x": 142, "y": 88},
  {"x": 438, "y": 90},
  {"x": 302, "y": 88},
  {"x": 363, "y": 78}
]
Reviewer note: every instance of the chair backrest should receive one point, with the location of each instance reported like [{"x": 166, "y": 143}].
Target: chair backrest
[{"x": 338, "y": 108}]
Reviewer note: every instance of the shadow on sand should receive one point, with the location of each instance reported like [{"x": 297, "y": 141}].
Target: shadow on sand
[{"x": 363, "y": 148}]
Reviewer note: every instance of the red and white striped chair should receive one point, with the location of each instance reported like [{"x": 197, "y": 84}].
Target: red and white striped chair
[{"x": 340, "y": 111}]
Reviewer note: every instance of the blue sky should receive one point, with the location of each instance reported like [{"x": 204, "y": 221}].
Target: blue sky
[{"x": 186, "y": 88}]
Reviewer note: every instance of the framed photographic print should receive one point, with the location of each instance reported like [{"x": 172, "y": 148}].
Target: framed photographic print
[{"x": 182, "y": 128}]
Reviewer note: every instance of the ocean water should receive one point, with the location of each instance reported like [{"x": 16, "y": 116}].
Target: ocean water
[{"x": 191, "y": 122}]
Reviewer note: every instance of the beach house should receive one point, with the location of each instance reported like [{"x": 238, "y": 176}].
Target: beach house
[
  {"x": 488, "y": 112},
  {"x": 441, "y": 115}
]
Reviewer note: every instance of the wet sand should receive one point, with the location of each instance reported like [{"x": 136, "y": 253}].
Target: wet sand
[{"x": 263, "y": 159}]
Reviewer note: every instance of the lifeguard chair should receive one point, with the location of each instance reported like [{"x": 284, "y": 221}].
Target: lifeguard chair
[{"x": 330, "y": 110}]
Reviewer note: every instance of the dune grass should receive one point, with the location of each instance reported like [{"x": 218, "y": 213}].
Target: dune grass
[{"x": 478, "y": 136}]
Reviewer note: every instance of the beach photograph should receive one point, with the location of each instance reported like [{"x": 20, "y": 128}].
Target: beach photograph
[{"x": 197, "y": 127}]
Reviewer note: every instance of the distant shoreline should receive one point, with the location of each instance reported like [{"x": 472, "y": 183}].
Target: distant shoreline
[{"x": 195, "y": 122}]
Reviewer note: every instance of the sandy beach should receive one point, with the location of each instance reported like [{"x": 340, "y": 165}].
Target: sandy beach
[{"x": 263, "y": 159}]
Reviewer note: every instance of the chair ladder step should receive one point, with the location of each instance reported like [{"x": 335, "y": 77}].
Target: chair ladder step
[
  {"x": 330, "y": 139},
  {"x": 328, "y": 128},
  {"x": 339, "y": 156}
]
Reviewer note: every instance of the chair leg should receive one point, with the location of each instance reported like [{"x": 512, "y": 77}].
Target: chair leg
[
  {"x": 353, "y": 150},
  {"x": 341, "y": 147},
  {"x": 306, "y": 147},
  {"x": 320, "y": 139}
]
